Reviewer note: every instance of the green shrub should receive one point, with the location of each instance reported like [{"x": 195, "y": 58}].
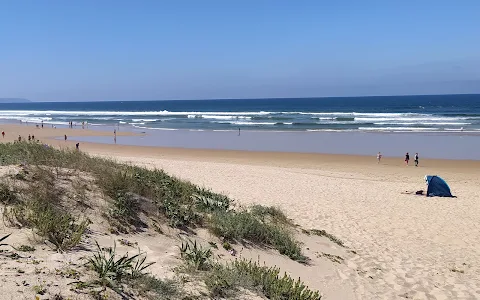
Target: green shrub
[
  {"x": 328, "y": 236},
  {"x": 270, "y": 212},
  {"x": 7, "y": 197},
  {"x": 225, "y": 280},
  {"x": 112, "y": 270},
  {"x": 183, "y": 204},
  {"x": 60, "y": 228},
  {"x": 227, "y": 246},
  {"x": 244, "y": 226},
  {"x": 196, "y": 256},
  {"x": 153, "y": 288},
  {"x": 125, "y": 207},
  {"x": 25, "y": 248}
]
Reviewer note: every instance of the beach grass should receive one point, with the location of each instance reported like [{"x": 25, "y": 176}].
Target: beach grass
[
  {"x": 182, "y": 204},
  {"x": 226, "y": 280}
]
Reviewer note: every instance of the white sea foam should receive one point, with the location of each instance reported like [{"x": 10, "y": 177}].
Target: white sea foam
[
  {"x": 398, "y": 128},
  {"x": 220, "y": 117},
  {"x": 123, "y": 113},
  {"x": 250, "y": 123},
  {"x": 423, "y": 123},
  {"x": 144, "y": 120}
]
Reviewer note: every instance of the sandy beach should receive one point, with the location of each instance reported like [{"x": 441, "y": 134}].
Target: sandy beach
[{"x": 403, "y": 246}]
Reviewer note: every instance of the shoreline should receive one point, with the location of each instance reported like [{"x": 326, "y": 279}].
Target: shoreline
[{"x": 54, "y": 137}]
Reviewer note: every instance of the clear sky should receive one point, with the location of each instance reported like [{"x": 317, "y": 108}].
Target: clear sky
[{"x": 179, "y": 49}]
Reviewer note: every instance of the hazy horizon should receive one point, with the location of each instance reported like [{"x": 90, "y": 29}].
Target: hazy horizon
[{"x": 122, "y": 51}]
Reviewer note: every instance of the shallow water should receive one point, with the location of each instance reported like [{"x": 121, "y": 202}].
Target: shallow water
[{"x": 428, "y": 145}]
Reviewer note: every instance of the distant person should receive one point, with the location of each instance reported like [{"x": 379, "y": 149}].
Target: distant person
[
  {"x": 19, "y": 138},
  {"x": 407, "y": 158},
  {"x": 3, "y": 134},
  {"x": 239, "y": 131},
  {"x": 33, "y": 137},
  {"x": 29, "y": 138},
  {"x": 83, "y": 125},
  {"x": 42, "y": 123},
  {"x": 379, "y": 157},
  {"x": 77, "y": 145},
  {"x": 416, "y": 159},
  {"x": 65, "y": 136}
]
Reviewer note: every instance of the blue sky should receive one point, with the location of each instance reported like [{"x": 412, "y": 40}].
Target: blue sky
[{"x": 145, "y": 50}]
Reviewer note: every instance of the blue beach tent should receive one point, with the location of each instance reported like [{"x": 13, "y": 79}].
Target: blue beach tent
[{"x": 437, "y": 187}]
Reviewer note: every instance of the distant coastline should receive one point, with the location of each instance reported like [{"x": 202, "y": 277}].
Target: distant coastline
[{"x": 14, "y": 100}]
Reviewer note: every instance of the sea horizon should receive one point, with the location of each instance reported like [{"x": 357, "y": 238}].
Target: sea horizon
[{"x": 456, "y": 114}]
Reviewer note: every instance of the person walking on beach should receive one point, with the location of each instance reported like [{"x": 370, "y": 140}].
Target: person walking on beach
[
  {"x": 3, "y": 134},
  {"x": 379, "y": 157},
  {"x": 42, "y": 123},
  {"x": 65, "y": 138},
  {"x": 407, "y": 158},
  {"x": 77, "y": 145},
  {"x": 416, "y": 159},
  {"x": 238, "y": 131},
  {"x": 29, "y": 138},
  {"x": 115, "y": 136},
  {"x": 19, "y": 138}
]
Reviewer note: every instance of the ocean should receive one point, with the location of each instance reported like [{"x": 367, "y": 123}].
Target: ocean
[{"x": 455, "y": 114}]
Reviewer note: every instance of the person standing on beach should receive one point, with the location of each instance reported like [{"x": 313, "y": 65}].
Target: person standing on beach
[
  {"x": 42, "y": 123},
  {"x": 77, "y": 145},
  {"x": 407, "y": 158},
  {"x": 416, "y": 159},
  {"x": 238, "y": 131},
  {"x": 3, "y": 134},
  {"x": 379, "y": 157},
  {"x": 65, "y": 138},
  {"x": 115, "y": 136}
]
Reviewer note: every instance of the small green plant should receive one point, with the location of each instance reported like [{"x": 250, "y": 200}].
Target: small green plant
[
  {"x": 25, "y": 248},
  {"x": 60, "y": 228},
  {"x": 195, "y": 255},
  {"x": 154, "y": 288},
  {"x": 224, "y": 280},
  {"x": 39, "y": 289},
  {"x": 7, "y": 197},
  {"x": 274, "y": 214},
  {"x": 125, "y": 207},
  {"x": 328, "y": 236},
  {"x": 335, "y": 258},
  {"x": 227, "y": 246},
  {"x": 244, "y": 226},
  {"x": 112, "y": 270}
]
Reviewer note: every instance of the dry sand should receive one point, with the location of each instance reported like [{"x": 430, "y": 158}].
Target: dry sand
[{"x": 405, "y": 246}]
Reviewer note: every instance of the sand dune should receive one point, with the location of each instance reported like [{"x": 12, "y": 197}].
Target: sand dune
[{"x": 407, "y": 246}]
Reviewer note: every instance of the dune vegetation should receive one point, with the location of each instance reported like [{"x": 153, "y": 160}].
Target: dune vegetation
[{"x": 51, "y": 194}]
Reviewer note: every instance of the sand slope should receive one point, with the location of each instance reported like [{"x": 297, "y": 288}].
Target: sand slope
[{"x": 407, "y": 246}]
